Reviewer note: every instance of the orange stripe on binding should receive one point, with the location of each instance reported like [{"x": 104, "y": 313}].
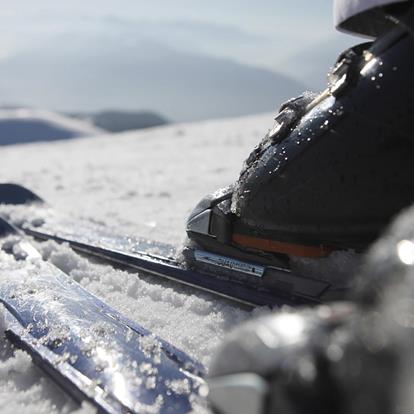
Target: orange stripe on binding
[{"x": 281, "y": 247}]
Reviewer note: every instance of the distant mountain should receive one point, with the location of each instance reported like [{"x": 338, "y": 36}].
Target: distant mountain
[
  {"x": 18, "y": 126},
  {"x": 94, "y": 70},
  {"x": 311, "y": 65},
  {"x": 118, "y": 121}
]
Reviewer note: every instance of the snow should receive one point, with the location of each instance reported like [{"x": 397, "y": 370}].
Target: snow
[
  {"x": 24, "y": 389},
  {"x": 141, "y": 183}
]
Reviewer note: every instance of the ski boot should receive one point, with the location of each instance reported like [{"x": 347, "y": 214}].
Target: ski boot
[{"x": 329, "y": 176}]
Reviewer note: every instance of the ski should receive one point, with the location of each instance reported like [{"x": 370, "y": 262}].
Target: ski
[
  {"x": 211, "y": 275},
  {"x": 169, "y": 268},
  {"x": 92, "y": 351}
]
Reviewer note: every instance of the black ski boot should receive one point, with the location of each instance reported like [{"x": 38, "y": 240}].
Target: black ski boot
[{"x": 329, "y": 176}]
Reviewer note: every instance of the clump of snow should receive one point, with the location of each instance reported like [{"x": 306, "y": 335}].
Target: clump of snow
[
  {"x": 56, "y": 335},
  {"x": 150, "y": 409},
  {"x": 64, "y": 258},
  {"x": 12, "y": 245},
  {"x": 179, "y": 387},
  {"x": 151, "y": 348},
  {"x": 9, "y": 243},
  {"x": 33, "y": 215}
]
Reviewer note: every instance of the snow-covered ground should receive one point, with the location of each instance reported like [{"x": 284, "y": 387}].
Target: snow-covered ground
[{"x": 144, "y": 184}]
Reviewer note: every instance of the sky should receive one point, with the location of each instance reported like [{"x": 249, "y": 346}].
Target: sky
[
  {"x": 279, "y": 26},
  {"x": 295, "y": 39},
  {"x": 258, "y": 15}
]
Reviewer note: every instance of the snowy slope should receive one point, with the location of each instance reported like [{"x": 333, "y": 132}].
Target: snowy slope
[{"x": 142, "y": 183}]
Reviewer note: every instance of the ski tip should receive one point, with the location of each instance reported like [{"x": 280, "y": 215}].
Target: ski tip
[{"x": 17, "y": 194}]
